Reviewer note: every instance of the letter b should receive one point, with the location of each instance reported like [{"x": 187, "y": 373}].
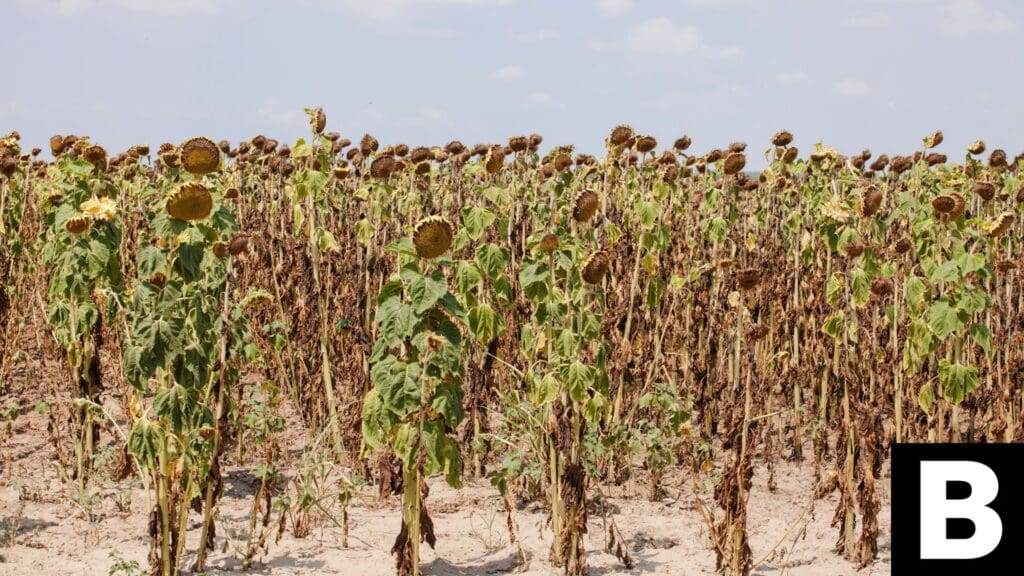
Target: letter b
[{"x": 936, "y": 508}]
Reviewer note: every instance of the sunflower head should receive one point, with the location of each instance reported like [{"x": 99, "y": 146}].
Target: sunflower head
[
  {"x": 1000, "y": 224},
  {"x": 317, "y": 120},
  {"x": 368, "y": 145},
  {"x": 382, "y": 166},
  {"x": 986, "y": 190},
  {"x": 96, "y": 155},
  {"x": 748, "y": 278},
  {"x": 231, "y": 193},
  {"x": 903, "y": 245},
  {"x": 99, "y": 208},
  {"x": 518, "y": 143},
  {"x": 596, "y": 266},
  {"x": 433, "y": 236},
  {"x": 549, "y": 243},
  {"x": 977, "y": 148},
  {"x": 200, "y": 156},
  {"x": 933, "y": 140},
  {"x": 190, "y": 202},
  {"x": 645, "y": 144},
  {"x": 621, "y": 135},
  {"x": 220, "y": 249},
  {"x": 997, "y": 159},
  {"x": 57, "y": 145},
  {"x": 854, "y": 249},
  {"x": 239, "y": 243},
  {"x": 585, "y": 205},
  {"x": 78, "y": 225},
  {"x": 757, "y": 332},
  {"x": 734, "y": 163},
  {"x": 682, "y": 143},
  {"x": 882, "y": 287},
  {"x": 943, "y": 204},
  {"x": 872, "y": 200},
  {"x": 782, "y": 138}
]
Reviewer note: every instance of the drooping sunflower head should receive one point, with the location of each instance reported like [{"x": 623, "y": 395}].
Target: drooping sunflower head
[
  {"x": 78, "y": 225},
  {"x": 682, "y": 143},
  {"x": 977, "y": 148},
  {"x": 782, "y": 138},
  {"x": 368, "y": 145},
  {"x": 645, "y": 144},
  {"x": 933, "y": 140},
  {"x": 986, "y": 190},
  {"x": 190, "y": 202},
  {"x": 433, "y": 236},
  {"x": 382, "y": 166},
  {"x": 99, "y": 208},
  {"x": 903, "y": 245},
  {"x": 549, "y": 243},
  {"x": 220, "y": 249},
  {"x": 734, "y": 163},
  {"x": 748, "y": 278},
  {"x": 96, "y": 155},
  {"x": 790, "y": 155},
  {"x": 596, "y": 266},
  {"x": 872, "y": 199},
  {"x": 231, "y": 193},
  {"x": 318, "y": 120},
  {"x": 943, "y": 204},
  {"x": 239, "y": 243},
  {"x": 620, "y": 135},
  {"x": 200, "y": 156},
  {"x": 518, "y": 143},
  {"x": 1000, "y": 224},
  {"x": 882, "y": 287},
  {"x": 585, "y": 205}
]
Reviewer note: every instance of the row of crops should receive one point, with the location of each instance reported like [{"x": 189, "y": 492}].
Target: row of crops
[{"x": 554, "y": 321}]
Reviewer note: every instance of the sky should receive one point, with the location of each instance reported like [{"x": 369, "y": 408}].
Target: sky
[{"x": 878, "y": 74}]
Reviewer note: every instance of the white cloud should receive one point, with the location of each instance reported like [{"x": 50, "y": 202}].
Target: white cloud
[
  {"x": 791, "y": 77},
  {"x": 963, "y": 17},
  {"x": 544, "y": 100},
  {"x": 508, "y": 73},
  {"x": 614, "y": 7},
  {"x": 852, "y": 87},
  {"x": 533, "y": 35},
  {"x": 662, "y": 36}
]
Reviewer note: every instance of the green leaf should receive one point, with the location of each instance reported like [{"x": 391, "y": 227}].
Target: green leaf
[
  {"x": 947, "y": 272},
  {"x": 833, "y": 326},
  {"x": 396, "y": 320},
  {"x": 970, "y": 263},
  {"x": 914, "y": 290},
  {"x": 578, "y": 378},
  {"x": 476, "y": 220},
  {"x": 467, "y": 276},
  {"x": 145, "y": 443},
  {"x": 425, "y": 291},
  {"x": 860, "y": 287},
  {"x": 491, "y": 259},
  {"x": 982, "y": 336},
  {"x": 834, "y": 288},
  {"x": 925, "y": 397},
  {"x": 174, "y": 405},
  {"x": 365, "y": 231},
  {"x": 943, "y": 319},
  {"x": 485, "y": 323},
  {"x": 957, "y": 380}
]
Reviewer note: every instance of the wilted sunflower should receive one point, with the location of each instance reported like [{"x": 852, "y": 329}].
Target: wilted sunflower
[
  {"x": 239, "y": 243},
  {"x": 455, "y": 147},
  {"x": 77, "y": 225},
  {"x": 620, "y": 135},
  {"x": 977, "y": 148},
  {"x": 790, "y": 155},
  {"x": 595, "y": 267},
  {"x": 433, "y": 236},
  {"x": 748, "y": 278},
  {"x": 220, "y": 249},
  {"x": 549, "y": 243},
  {"x": 645, "y": 144},
  {"x": 872, "y": 201},
  {"x": 495, "y": 160},
  {"x": 1000, "y": 224},
  {"x": 782, "y": 138},
  {"x": 382, "y": 166},
  {"x": 97, "y": 156},
  {"x": 943, "y": 204},
  {"x": 997, "y": 159},
  {"x": 854, "y": 249},
  {"x": 231, "y": 193},
  {"x": 734, "y": 163},
  {"x": 681, "y": 144},
  {"x": 1004, "y": 266},
  {"x": 757, "y": 332},
  {"x": 933, "y": 140},
  {"x": 519, "y": 143},
  {"x": 200, "y": 156},
  {"x": 368, "y": 145},
  {"x": 190, "y": 202},
  {"x": 986, "y": 190},
  {"x": 99, "y": 208},
  {"x": 585, "y": 205},
  {"x": 903, "y": 246},
  {"x": 318, "y": 120},
  {"x": 882, "y": 287}
]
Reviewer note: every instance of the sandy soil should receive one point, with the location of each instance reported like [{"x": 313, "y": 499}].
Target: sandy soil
[{"x": 57, "y": 536}]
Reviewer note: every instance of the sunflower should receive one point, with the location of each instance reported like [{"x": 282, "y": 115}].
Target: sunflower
[
  {"x": 318, "y": 120},
  {"x": 518, "y": 143},
  {"x": 620, "y": 135},
  {"x": 681, "y": 144},
  {"x": 596, "y": 266},
  {"x": 231, "y": 193},
  {"x": 1000, "y": 225},
  {"x": 200, "y": 156},
  {"x": 903, "y": 246},
  {"x": 748, "y": 278},
  {"x": 549, "y": 243},
  {"x": 585, "y": 205},
  {"x": 382, "y": 166},
  {"x": 882, "y": 287},
  {"x": 782, "y": 138},
  {"x": 872, "y": 199},
  {"x": 645, "y": 144},
  {"x": 734, "y": 163},
  {"x": 986, "y": 190},
  {"x": 220, "y": 249},
  {"x": 77, "y": 225},
  {"x": 433, "y": 236},
  {"x": 977, "y": 148},
  {"x": 239, "y": 243},
  {"x": 191, "y": 202},
  {"x": 943, "y": 204},
  {"x": 99, "y": 208},
  {"x": 368, "y": 145}
]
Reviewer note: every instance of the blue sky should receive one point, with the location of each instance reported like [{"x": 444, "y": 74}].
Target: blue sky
[{"x": 853, "y": 73}]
